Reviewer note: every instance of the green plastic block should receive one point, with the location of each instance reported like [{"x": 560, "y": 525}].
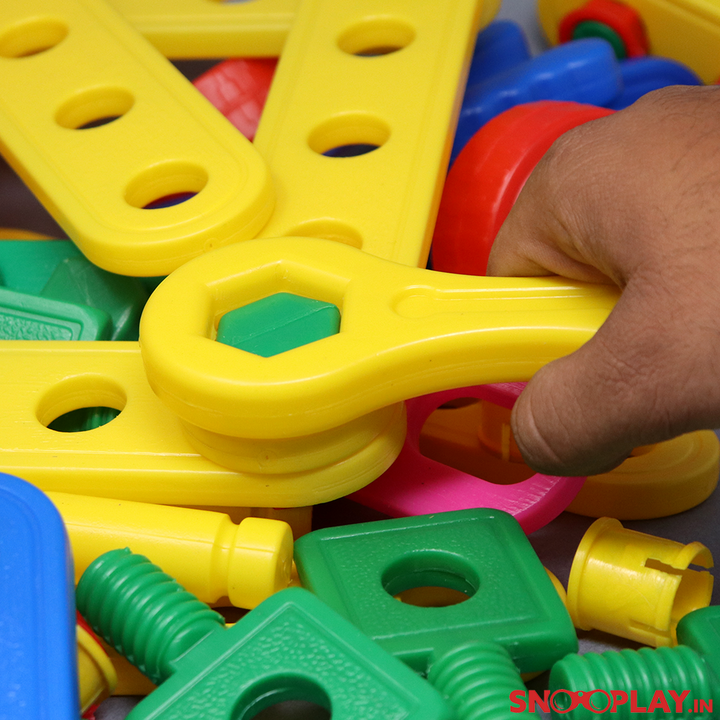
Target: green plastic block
[
  {"x": 77, "y": 280},
  {"x": 483, "y": 553},
  {"x": 27, "y": 317},
  {"x": 290, "y": 647},
  {"x": 278, "y": 323},
  {"x": 26, "y": 265}
]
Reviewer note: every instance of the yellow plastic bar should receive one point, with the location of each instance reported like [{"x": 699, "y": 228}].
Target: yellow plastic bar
[
  {"x": 685, "y": 30},
  {"x": 211, "y": 28},
  {"x": 65, "y": 64},
  {"x": 205, "y": 552},
  {"x": 404, "y": 332},
  {"x": 387, "y": 74},
  {"x": 143, "y": 454}
]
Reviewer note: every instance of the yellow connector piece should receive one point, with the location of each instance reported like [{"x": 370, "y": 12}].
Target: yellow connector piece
[
  {"x": 634, "y": 585},
  {"x": 685, "y": 30},
  {"x": 359, "y": 121},
  {"x": 97, "y": 676},
  {"x": 67, "y": 66},
  {"x": 404, "y": 332},
  {"x": 671, "y": 477},
  {"x": 211, "y": 29},
  {"x": 204, "y": 551}
]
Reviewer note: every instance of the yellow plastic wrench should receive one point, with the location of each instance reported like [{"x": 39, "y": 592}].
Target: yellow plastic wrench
[{"x": 404, "y": 332}]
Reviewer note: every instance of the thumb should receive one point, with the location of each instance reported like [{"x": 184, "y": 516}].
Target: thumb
[{"x": 641, "y": 379}]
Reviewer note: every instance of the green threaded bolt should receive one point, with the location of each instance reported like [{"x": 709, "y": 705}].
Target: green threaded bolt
[
  {"x": 477, "y": 680},
  {"x": 143, "y": 612},
  {"x": 694, "y": 665}
]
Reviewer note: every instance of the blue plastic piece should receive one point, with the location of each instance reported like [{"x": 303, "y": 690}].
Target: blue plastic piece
[
  {"x": 584, "y": 71},
  {"x": 645, "y": 74},
  {"x": 38, "y": 649},
  {"x": 500, "y": 46}
]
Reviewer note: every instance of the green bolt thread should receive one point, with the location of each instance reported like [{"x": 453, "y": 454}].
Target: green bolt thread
[
  {"x": 477, "y": 679},
  {"x": 644, "y": 671},
  {"x": 142, "y": 612}
]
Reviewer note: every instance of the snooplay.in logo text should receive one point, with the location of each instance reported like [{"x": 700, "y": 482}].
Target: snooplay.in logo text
[{"x": 602, "y": 701}]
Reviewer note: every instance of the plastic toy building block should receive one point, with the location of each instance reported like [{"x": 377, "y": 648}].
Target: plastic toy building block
[
  {"x": 613, "y": 21},
  {"x": 157, "y": 137},
  {"x": 38, "y": 662},
  {"x": 645, "y": 74},
  {"x": 27, "y": 266},
  {"x": 687, "y": 676},
  {"x": 27, "y": 317},
  {"x": 499, "y": 47},
  {"x": 635, "y": 585},
  {"x": 358, "y": 569},
  {"x": 144, "y": 454},
  {"x": 204, "y": 551},
  {"x": 77, "y": 280},
  {"x": 238, "y": 88},
  {"x": 584, "y": 71},
  {"x": 416, "y": 485},
  {"x": 201, "y": 29},
  {"x": 278, "y": 323},
  {"x": 406, "y": 332},
  {"x": 291, "y": 647},
  {"x": 489, "y": 174},
  {"x": 96, "y": 673},
  {"x": 668, "y": 478},
  {"x": 384, "y": 83},
  {"x": 684, "y": 30}
]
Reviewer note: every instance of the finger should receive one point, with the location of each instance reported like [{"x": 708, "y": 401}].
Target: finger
[{"x": 642, "y": 379}]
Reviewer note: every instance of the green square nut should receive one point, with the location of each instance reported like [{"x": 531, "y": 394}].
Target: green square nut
[
  {"x": 358, "y": 569},
  {"x": 278, "y": 323},
  {"x": 291, "y": 647}
]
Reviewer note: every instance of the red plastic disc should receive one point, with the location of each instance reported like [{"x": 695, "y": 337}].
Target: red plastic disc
[{"x": 489, "y": 174}]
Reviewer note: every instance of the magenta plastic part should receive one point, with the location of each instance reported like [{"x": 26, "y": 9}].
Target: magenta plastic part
[{"x": 418, "y": 485}]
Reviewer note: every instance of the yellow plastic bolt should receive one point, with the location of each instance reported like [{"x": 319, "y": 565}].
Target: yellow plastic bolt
[
  {"x": 634, "y": 585},
  {"x": 204, "y": 551}
]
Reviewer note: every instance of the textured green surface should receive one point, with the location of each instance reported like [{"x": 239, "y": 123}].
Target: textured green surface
[
  {"x": 28, "y": 317},
  {"x": 77, "y": 280},
  {"x": 484, "y": 553},
  {"x": 291, "y": 647},
  {"x": 278, "y": 323}
]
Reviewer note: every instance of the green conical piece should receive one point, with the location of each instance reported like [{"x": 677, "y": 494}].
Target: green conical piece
[{"x": 142, "y": 612}]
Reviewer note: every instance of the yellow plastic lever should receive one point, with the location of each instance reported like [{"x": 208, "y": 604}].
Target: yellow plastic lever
[
  {"x": 143, "y": 454},
  {"x": 211, "y": 28},
  {"x": 67, "y": 66},
  {"x": 382, "y": 81},
  {"x": 404, "y": 332}
]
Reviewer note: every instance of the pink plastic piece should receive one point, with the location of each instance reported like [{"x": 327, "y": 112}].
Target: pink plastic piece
[{"x": 418, "y": 485}]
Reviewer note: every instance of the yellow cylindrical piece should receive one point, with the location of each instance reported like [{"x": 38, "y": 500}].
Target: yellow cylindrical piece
[
  {"x": 96, "y": 673},
  {"x": 635, "y": 585},
  {"x": 204, "y": 551}
]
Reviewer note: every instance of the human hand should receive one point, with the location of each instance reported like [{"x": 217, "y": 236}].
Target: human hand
[{"x": 631, "y": 199}]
